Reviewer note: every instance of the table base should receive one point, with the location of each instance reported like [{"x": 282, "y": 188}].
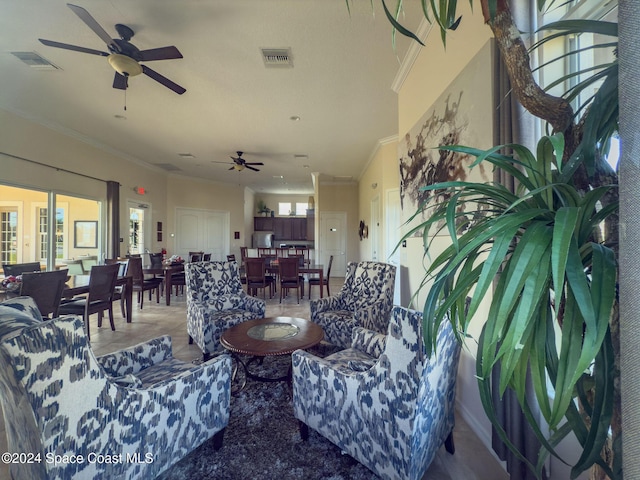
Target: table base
[{"x": 253, "y": 376}]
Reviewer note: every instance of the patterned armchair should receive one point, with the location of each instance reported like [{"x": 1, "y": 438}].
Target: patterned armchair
[
  {"x": 365, "y": 300},
  {"x": 382, "y": 401},
  {"x": 129, "y": 414},
  {"x": 216, "y": 302}
]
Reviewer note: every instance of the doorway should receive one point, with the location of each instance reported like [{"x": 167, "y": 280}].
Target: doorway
[
  {"x": 139, "y": 221},
  {"x": 332, "y": 240},
  {"x": 374, "y": 230}
]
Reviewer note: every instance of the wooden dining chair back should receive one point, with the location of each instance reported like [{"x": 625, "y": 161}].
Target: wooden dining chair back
[
  {"x": 257, "y": 277},
  {"x": 325, "y": 279},
  {"x": 46, "y": 290},
  {"x": 16, "y": 269},
  {"x": 119, "y": 291},
  {"x": 88, "y": 262},
  {"x": 195, "y": 256},
  {"x": 102, "y": 283},
  {"x": 74, "y": 266},
  {"x": 206, "y": 257},
  {"x": 231, "y": 258},
  {"x": 155, "y": 259},
  {"x": 289, "y": 276},
  {"x": 142, "y": 284}
]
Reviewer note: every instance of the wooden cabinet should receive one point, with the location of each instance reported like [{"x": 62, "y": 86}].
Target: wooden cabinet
[
  {"x": 298, "y": 228},
  {"x": 263, "y": 224},
  {"x": 283, "y": 228}
]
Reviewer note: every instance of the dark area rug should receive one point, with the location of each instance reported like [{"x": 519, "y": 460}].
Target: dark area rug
[{"x": 262, "y": 440}]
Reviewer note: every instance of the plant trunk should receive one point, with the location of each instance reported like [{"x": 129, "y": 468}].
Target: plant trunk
[{"x": 559, "y": 114}]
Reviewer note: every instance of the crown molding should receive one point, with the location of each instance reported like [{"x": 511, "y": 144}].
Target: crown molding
[{"x": 423, "y": 31}]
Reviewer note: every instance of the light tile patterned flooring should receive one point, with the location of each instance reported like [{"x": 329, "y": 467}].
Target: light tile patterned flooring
[{"x": 471, "y": 461}]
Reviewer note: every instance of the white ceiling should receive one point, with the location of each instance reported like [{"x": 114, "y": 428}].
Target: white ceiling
[{"x": 339, "y": 86}]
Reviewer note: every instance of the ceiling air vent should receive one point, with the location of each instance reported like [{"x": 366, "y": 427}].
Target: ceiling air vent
[
  {"x": 35, "y": 61},
  {"x": 277, "y": 57},
  {"x": 168, "y": 167}
]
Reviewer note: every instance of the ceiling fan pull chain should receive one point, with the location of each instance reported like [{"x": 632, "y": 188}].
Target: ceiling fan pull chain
[{"x": 125, "y": 99}]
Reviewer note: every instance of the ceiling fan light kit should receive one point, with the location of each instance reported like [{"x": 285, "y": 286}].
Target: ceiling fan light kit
[{"x": 124, "y": 65}]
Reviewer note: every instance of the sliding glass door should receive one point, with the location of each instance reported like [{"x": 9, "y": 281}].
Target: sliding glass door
[{"x": 30, "y": 233}]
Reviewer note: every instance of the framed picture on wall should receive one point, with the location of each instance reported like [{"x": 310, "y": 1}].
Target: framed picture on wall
[{"x": 85, "y": 234}]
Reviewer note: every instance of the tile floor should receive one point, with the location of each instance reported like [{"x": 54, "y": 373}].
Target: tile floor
[{"x": 471, "y": 461}]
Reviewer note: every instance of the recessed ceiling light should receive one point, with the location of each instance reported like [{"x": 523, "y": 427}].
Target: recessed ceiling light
[
  {"x": 294, "y": 118},
  {"x": 186, "y": 155},
  {"x": 305, "y": 166},
  {"x": 278, "y": 176}
]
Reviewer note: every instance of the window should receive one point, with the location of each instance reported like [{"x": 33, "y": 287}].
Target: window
[
  {"x": 8, "y": 236},
  {"x": 284, "y": 208},
  {"x": 301, "y": 208}
]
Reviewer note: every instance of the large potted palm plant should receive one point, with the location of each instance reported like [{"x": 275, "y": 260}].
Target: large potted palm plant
[{"x": 554, "y": 307}]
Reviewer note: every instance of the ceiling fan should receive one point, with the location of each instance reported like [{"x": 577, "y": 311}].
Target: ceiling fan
[
  {"x": 123, "y": 56},
  {"x": 240, "y": 163}
]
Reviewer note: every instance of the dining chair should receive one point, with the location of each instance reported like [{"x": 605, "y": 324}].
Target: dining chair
[
  {"x": 231, "y": 258},
  {"x": 102, "y": 282},
  {"x": 16, "y": 269},
  {"x": 289, "y": 276},
  {"x": 155, "y": 259},
  {"x": 88, "y": 262},
  {"x": 120, "y": 290},
  {"x": 46, "y": 290},
  {"x": 142, "y": 284},
  {"x": 206, "y": 257},
  {"x": 325, "y": 279},
  {"x": 196, "y": 256},
  {"x": 74, "y": 266},
  {"x": 257, "y": 277}
]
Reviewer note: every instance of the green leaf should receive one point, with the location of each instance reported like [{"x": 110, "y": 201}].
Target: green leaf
[{"x": 563, "y": 234}]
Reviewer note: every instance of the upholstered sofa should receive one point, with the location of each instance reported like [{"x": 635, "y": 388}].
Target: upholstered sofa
[
  {"x": 130, "y": 414},
  {"x": 382, "y": 401},
  {"x": 365, "y": 300},
  {"x": 216, "y": 302}
]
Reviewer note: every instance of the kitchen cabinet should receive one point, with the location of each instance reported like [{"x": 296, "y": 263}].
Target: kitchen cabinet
[
  {"x": 263, "y": 224},
  {"x": 283, "y": 228}
]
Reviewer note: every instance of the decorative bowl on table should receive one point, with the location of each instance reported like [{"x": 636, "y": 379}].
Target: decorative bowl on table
[
  {"x": 173, "y": 260},
  {"x": 12, "y": 283}
]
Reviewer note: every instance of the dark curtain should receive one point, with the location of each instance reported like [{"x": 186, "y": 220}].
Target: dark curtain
[
  {"x": 512, "y": 124},
  {"x": 113, "y": 219},
  {"x": 629, "y": 95}
]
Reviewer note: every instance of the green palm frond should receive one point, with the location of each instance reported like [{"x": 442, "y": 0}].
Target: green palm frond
[{"x": 539, "y": 247}]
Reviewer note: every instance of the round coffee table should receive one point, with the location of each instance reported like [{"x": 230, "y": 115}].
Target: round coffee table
[{"x": 269, "y": 337}]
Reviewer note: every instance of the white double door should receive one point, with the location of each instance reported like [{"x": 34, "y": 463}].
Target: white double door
[{"x": 202, "y": 231}]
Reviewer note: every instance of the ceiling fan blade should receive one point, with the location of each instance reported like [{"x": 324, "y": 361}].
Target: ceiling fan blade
[
  {"x": 254, "y": 163},
  {"x": 251, "y": 168},
  {"x": 75, "y": 48},
  {"x": 94, "y": 25},
  {"x": 120, "y": 81},
  {"x": 232, "y": 168},
  {"x": 162, "y": 53},
  {"x": 163, "y": 80}
]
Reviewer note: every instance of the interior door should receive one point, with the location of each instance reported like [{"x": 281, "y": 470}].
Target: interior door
[
  {"x": 393, "y": 222},
  {"x": 333, "y": 241},
  {"x": 374, "y": 229}
]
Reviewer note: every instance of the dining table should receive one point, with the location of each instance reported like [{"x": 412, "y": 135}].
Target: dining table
[
  {"x": 310, "y": 268},
  {"x": 167, "y": 272},
  {"x": 79, "y": 285}
]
